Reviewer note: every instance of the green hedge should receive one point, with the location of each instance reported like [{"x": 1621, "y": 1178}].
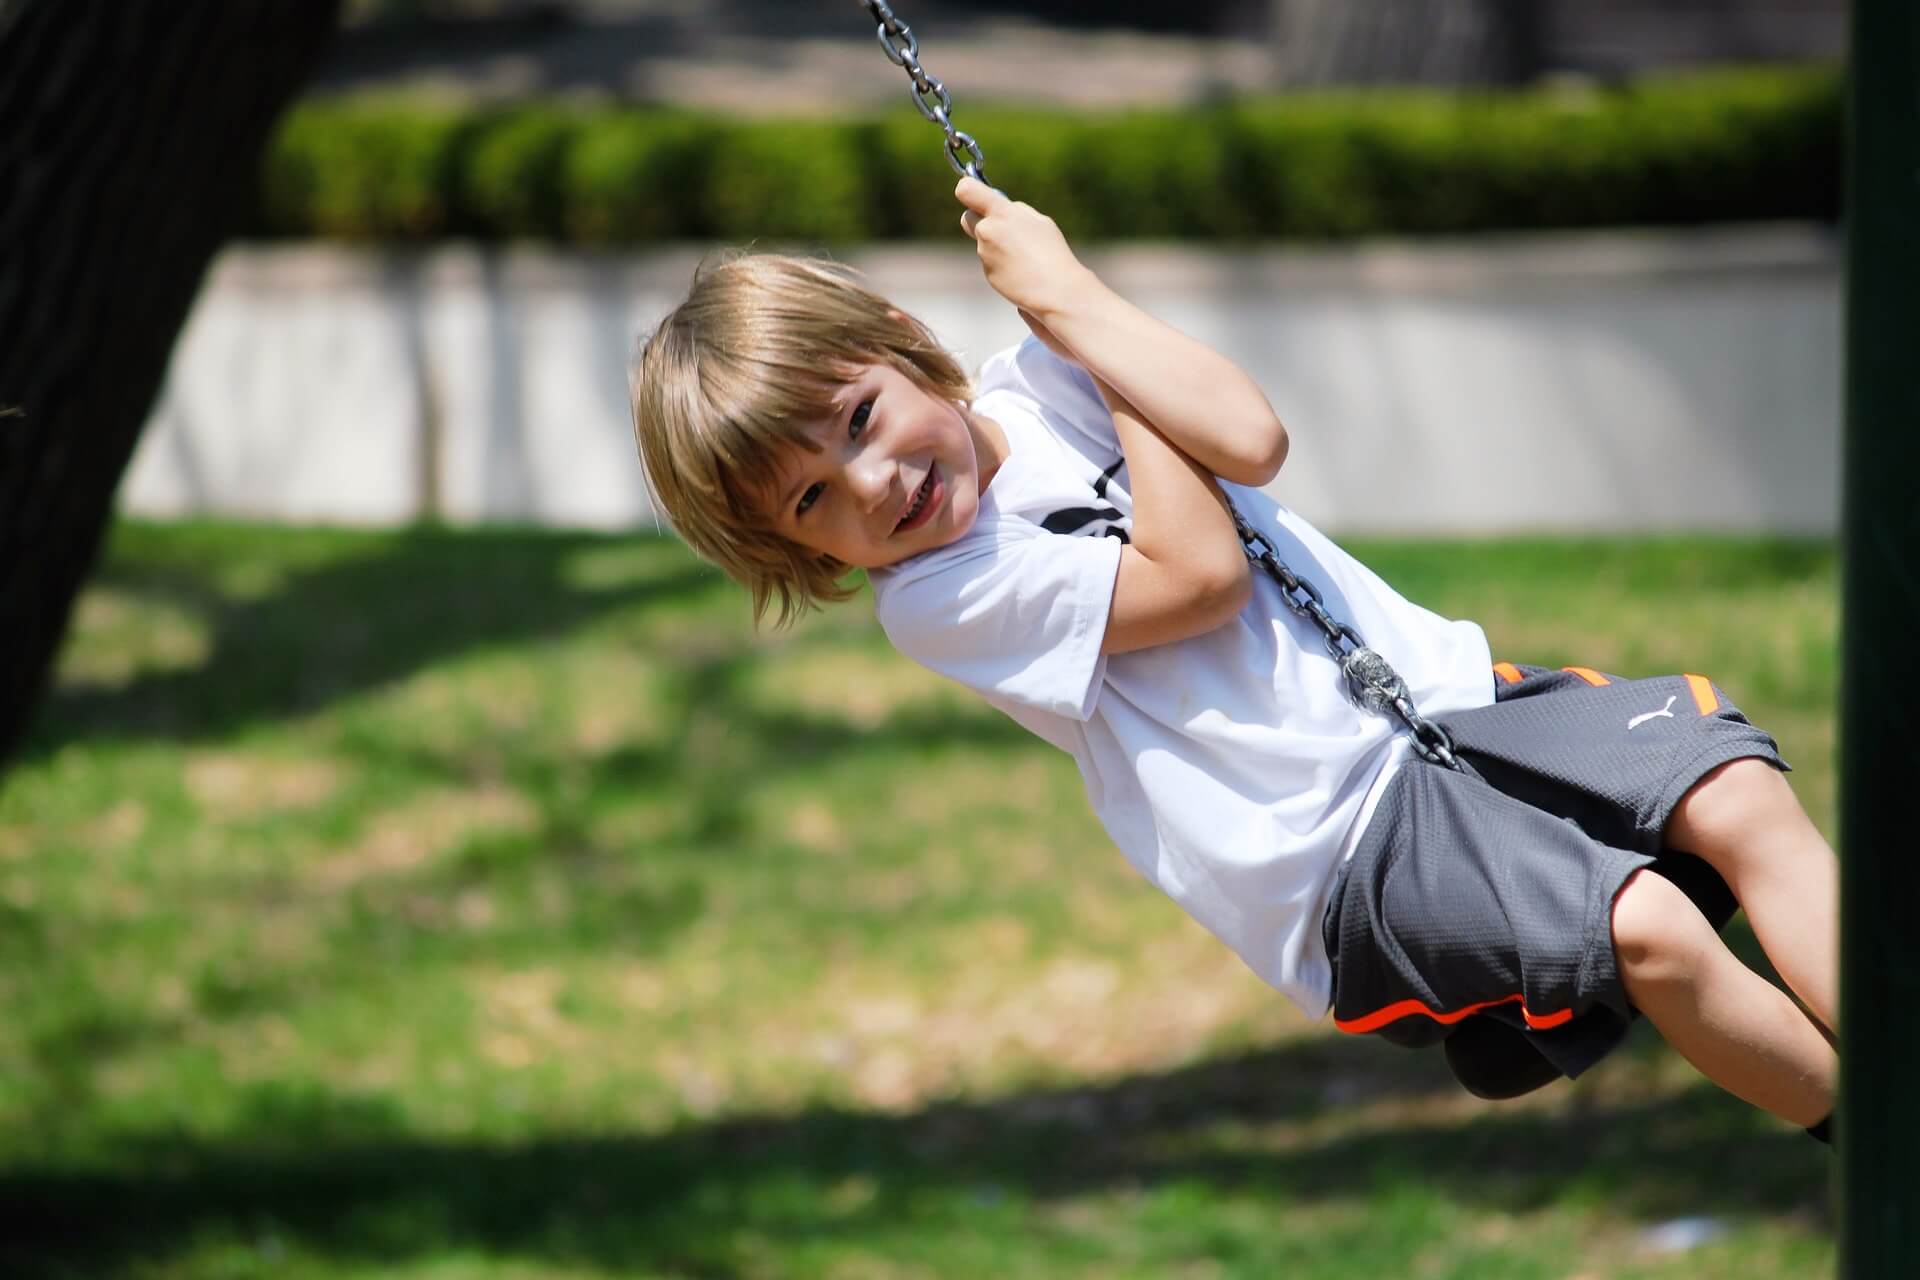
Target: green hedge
[{"x": 1707, "y": 147}]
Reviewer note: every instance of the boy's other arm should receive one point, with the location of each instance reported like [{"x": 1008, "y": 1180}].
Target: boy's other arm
[
  {"x": 1184, "y": 573},
  {"x": 1197, "y": 398}
]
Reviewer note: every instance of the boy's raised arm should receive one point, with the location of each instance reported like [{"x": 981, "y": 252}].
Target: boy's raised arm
[{"x": 1200, "y": 400}]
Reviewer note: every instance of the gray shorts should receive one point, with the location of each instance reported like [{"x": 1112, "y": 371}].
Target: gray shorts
[{"x": 1490, "y": 894}]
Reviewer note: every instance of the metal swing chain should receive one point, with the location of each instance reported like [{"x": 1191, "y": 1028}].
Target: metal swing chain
[
  {"x": 928, "y": 94},
  {"x": 1371, "y": 681}
]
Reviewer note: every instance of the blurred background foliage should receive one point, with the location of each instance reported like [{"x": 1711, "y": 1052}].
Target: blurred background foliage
[{"x": 1701, "y": 147}]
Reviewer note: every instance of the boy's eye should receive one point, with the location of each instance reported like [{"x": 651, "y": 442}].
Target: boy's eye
[{"x": 855, "y": 425}]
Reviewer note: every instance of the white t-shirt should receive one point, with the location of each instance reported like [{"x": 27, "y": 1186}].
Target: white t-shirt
[{"x": 1230, "y": 768}]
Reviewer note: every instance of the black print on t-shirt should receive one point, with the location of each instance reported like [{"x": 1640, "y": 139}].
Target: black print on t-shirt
[{"x": 1076, "y": 520}]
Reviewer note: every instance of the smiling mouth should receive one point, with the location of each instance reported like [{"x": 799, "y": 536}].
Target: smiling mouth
[{"x": 921, "y": 504}]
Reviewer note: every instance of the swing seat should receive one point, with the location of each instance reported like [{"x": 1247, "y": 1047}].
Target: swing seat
[{"x": 1492, "y": 1060}]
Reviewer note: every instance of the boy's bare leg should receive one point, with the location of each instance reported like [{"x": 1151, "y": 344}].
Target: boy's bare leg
[
  {"x": 1744, "y": 819},
  {"x": 1740, "y": 1030}
]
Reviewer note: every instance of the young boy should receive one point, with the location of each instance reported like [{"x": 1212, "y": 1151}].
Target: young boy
[{"x": 1063, "y": 541}]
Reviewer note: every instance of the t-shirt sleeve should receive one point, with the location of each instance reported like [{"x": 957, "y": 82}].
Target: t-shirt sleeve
[
  {"x": 1062, "y": 393},
  {"x": 1019, "y": 616}
]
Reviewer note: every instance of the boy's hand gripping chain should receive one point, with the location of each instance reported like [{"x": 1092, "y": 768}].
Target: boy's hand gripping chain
[
  {"x": 928, "y": 94},
  {"x": 1371, "y": 680}
]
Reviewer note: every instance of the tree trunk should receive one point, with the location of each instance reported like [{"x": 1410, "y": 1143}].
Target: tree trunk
[
  {"x": 130, "y": 137},
  {"x": 1438, "y": 42}
]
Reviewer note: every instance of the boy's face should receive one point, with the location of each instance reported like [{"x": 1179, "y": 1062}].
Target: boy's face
[{"x": 899, "y": 472}]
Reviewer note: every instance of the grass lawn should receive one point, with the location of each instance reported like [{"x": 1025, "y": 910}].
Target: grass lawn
[{"x": 431, "y": 904}]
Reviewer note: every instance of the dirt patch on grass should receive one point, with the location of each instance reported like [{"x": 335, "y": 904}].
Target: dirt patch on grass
[
  {"x": 846, "y": 684},
  {"x": 403, "y": 839},
  {"x": 1005, "y": 1014},
  {"x": 118, "y": 636},
  {"x": 522, "y": 1022},
  {"x": 117, "y": 828},
  {"x": 16, "y": 844},
  {"x": 231, "y": 786}
]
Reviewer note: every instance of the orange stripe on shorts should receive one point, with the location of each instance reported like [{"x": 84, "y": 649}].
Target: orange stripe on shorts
[
  {"x": 1508, "y": 672},
  {"x": 1407, "y": 1008},
  {"x": 1703, "y": 695},
  {"x": 1588, "y": 674}
]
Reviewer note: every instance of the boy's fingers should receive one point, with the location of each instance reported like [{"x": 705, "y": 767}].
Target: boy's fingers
[
  {"x": 977, "y": 195},
  {"x": 968, "y": 221}
]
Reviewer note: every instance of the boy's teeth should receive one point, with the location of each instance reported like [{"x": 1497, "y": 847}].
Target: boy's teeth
[{"x": 919, "y": 499}]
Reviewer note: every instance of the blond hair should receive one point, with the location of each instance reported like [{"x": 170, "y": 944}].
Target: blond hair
[{"x": 733, "y": 376}]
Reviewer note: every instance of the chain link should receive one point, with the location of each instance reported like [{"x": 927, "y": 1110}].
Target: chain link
[
  {"x": 1372, "y": 682},
  {"x": 929, "y": 96}
]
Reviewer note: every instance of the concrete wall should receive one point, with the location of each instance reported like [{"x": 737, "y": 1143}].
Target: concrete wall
[{"x": 1683, "y": 380}]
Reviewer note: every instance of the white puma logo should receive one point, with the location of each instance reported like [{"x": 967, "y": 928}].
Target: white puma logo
[{"x": 1666, "y": 711}]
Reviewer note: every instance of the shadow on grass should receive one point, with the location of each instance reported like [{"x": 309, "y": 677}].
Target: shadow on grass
[
  {"x": 351, "y": 621},
  {"x": 406, "y": 602},
  {"x": 1307, "y": 1124}
]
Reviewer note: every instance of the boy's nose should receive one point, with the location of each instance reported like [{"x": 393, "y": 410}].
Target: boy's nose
[{"x": 872, "y": 483}]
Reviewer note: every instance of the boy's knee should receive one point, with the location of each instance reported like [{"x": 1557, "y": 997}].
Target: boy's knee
[{"x": 1658, "y": 934}]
